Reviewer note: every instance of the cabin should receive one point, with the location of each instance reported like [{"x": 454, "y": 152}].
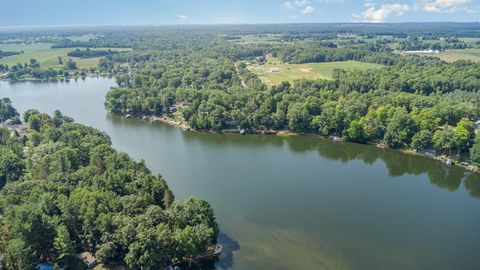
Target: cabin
[
  {"x": 88, "y": 259},
  {"x": 275, "y": 70}
]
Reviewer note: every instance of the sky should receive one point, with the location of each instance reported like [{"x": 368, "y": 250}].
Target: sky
[{"x": 142, "y": 12}]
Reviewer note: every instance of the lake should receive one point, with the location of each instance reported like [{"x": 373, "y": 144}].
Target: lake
[{"x": 298, "y": 202}]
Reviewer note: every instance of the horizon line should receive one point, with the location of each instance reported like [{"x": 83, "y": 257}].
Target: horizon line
[{"x": 219, "y": 24}]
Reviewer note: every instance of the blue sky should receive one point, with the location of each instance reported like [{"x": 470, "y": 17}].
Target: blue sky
[{"x": 125, "y": 12}]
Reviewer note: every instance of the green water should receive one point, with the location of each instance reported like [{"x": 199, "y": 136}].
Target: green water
[{"x": 298, "y": 202}]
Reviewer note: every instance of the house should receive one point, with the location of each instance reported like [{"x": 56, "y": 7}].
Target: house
[
  {"x": 275, "y": 69},
  {"x": 20, "y": 129},
  {"x": 88, "y": 259}
]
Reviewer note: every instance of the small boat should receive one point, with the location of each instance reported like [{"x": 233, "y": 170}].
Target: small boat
[
  {"x": 243, "y": 131},
  {"x": 449, "y": 162},
  {"x": 472, "y": 168},
  {"x": 382, "y": 145},
  {"x": 212, "y": 253},
  {"x": 335, "y": 138}
]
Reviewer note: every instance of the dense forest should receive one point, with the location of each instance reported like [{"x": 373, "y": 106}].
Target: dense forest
[
  {"x": 413, "y": 102},
  {"x": 65, "y": 190}
]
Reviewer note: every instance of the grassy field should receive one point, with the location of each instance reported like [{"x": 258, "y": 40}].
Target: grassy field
[
  {"x": 312, "y": 71},
  {"x": 455, "y": 55},
  {"x": 46, "y": 56}
]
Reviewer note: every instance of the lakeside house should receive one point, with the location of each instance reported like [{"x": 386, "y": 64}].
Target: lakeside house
[
  {"x": 88, "y": 259},
  {"x": 20, "y": 129}
]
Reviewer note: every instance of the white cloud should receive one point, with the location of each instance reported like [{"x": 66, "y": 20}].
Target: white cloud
[
  {"x": 440, "y": 5},
  {"x": 288, "y": 5},
  {"x": 308, "y": 10},
  {"x": 301, "y": 7},
  {"x": 378, "y": 15},
  {"x": 332, "y": 1},
  {"x": 301, "y": 3},
  {"x": 183, "y": 18}
]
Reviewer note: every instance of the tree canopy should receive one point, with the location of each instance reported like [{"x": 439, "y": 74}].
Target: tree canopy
[{"x": 69, "y": 191}]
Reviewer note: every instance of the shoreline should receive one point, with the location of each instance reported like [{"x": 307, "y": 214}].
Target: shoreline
[
  {"x": 286, "y": 133},
  {"x": 60, "y": 79}
]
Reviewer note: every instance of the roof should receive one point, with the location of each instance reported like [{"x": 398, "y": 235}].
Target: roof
[{"x": 88, "y": 258}]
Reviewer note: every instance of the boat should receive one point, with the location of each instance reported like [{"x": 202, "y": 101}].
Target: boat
[
  {"x": 212, "y": 253},
  {"x": 449, "y": 162},
  {"x": 472, "y": 168},
  {"x": 335, "y": 138},
  {"x": 382, "y": 145}
]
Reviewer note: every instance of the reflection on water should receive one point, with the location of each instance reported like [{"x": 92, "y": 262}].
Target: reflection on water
[
  {"x": 297, "y": 202},
  {"x": 397, "y": 163}
]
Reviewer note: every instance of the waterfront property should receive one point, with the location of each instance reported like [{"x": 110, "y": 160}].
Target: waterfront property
[{"x": 311, "y": 202}]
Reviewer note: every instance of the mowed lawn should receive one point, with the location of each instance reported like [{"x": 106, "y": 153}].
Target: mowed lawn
[
  {"x": 311, "y": 71},
  {"x": 46, "y": 56}
]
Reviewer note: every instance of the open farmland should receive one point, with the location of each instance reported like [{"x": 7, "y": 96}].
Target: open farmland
[
  {"x": 45, "y": 55},
  {"x": 455, "y": 55},
  {"x": 273, "y": 72}
]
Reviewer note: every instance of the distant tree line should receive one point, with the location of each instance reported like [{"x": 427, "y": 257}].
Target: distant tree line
[
  {"x": 6, "y": 54},
  {"x": 90, "y": 53}
]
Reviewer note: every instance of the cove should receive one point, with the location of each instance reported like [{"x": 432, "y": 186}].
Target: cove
[{"x": 298, "y": 202}]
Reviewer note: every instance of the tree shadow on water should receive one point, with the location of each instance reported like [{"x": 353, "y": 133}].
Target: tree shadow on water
[
  {"x": 229, "y": 247},
  {"x": 396, "y": 163}
]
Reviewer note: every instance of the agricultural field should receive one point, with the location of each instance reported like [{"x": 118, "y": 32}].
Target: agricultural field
[
  {"x": 262, "y": 39},
  {"x": 273, "y": 72},
  {"x": 455, "y": 55},
  {"x": 45, "y": 55},
  {"x": 472, "y": 42}
]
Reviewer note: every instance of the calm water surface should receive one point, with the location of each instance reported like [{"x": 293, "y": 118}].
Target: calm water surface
[{"x": 298, "y": 202}]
